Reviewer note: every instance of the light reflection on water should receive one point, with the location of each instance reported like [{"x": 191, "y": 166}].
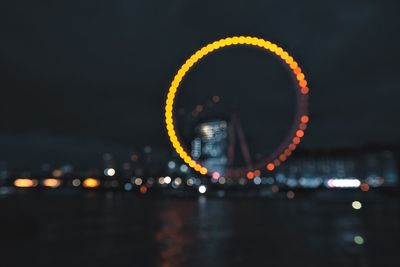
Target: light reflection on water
[
  {"x": 124, "y": 230},
  {"x": 192, "y": 228}
]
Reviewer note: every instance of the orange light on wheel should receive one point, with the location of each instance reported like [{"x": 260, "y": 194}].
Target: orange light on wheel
[
  {"x": 201, "y": 53},
  {"x": 270, "y": 166}
]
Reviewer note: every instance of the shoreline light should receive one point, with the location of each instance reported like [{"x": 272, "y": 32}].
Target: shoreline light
[
  {"x": 167, "y": 180},
  {"x": 91, "y": 183},
  {"x": 51, "y": 182},
  {"x": 109, "y": 171},
  {"x": 25, "y": 182},
  {"x": 343, "y": 183},
  {"x": 202, "y": 189},
  {"x": 356, "y": 205}
]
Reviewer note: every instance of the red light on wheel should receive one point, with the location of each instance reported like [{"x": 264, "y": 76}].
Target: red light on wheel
[{"x": 298, "y": 131}]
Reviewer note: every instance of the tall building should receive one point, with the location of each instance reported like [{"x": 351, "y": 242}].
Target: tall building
[{"x": 210, "y": 145}]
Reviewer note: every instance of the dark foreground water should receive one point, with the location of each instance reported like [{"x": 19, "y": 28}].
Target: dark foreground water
[{"x": 120, "y": 229}]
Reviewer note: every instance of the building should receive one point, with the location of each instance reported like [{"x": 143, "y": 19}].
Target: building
[
  {"x": 210, "y": 145},
  {"x": 374, "y": 167}
]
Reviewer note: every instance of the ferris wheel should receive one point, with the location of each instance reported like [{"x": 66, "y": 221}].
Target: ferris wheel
[{"x": 234, "y": 129}]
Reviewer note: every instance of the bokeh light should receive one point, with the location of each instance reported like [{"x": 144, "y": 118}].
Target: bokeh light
[
  {"x": 25, "y": 182},
  {"x": 359, "y": 240},
  {"x": 51, "y": 182},
  {"x": 356, "y": 205},
  {"x": 202, "y": 189},
  {"x": 91, "y": 183}
]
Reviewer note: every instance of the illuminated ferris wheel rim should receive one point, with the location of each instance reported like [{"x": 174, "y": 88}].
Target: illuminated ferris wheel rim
[{"x": 301, "y": 119}]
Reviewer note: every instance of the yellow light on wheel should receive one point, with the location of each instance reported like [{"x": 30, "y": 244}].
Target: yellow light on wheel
[{"x": 199, "y": 54}]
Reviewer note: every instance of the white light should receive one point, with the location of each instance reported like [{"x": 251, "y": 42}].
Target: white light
[
  {"x": 138, "y": 181},
  {"x": 190, "y": 182},
  {"x": 109, "y": 171},
  {"x": 76, "y": 182},
  {"x": 343, "y": 183},
  {"x": 356, "y": 205},
  {"x": 202, "y": 189},
  {"x": 257, "y": 180},
  {"x": 171, "y": 165},
  {"x": 167, "y": 179},
  {"x": 178, "y": 181},
  {"x": 184, "y": 168},
  {"x": 359, "y": 240}
]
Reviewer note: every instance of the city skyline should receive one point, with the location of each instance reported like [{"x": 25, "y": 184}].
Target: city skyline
[{"x": 69, "y": 88}]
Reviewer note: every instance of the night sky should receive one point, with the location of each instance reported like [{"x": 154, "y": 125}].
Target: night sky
[{"x": 80, "y": 78}]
